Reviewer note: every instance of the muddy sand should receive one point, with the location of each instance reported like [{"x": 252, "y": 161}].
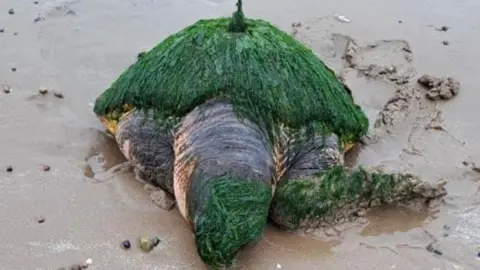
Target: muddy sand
[{"x": 63, "y": 198}]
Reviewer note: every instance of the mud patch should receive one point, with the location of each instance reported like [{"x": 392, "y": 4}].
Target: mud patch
[
  {"x": 387, "y": 53},
  {"x": 396, "y": 108},
  {"x": 439, "y": 88}
]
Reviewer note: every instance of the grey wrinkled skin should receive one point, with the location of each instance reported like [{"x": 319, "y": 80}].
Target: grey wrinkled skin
[
  {"x": 218, "y": 133},
  {"x": 148, "y": 147},
  {"x": 221, "y": 145},
  {"x": 307, "y": 156}
]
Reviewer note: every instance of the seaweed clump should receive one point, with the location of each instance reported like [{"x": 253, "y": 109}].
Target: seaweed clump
[
  {"x": 229, "y": 214},
  {"x": 267, "y": 74}
]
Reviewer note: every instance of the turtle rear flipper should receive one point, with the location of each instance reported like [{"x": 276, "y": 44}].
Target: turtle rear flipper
[
  {"x": 316, "y": 196},
  {"x": 222, "y": 180}
]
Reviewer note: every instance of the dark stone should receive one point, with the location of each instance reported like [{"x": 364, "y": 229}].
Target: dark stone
[
  {"x": 58, "y": 95},
  {"x": 76, "y": 267},
  {"x": 155, "y": 241},
  {"x": 41, "y": 219},
  {"x": 126, "y": 244},
  {"x": 141, "y": 54}
]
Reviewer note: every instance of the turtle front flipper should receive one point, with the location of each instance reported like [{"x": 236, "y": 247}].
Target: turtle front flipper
[
  {"x": 223, "y": 172},
  {"x": 316, "y": 190},
  {"x": 148, "y": 144}
]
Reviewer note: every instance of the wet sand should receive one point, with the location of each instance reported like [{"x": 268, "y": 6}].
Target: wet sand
[{"x": 79, "y": 47}]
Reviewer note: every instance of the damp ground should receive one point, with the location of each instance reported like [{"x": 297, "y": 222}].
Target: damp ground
[{"x": 89, "y": 204}]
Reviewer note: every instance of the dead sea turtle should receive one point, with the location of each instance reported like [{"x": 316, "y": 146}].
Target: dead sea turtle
[{"x": 239, "y": 122}]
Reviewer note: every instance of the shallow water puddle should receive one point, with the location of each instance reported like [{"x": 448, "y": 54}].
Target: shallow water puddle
[
  {"x": 104, "y": 159},
  {"x": 389, "y": 219}
]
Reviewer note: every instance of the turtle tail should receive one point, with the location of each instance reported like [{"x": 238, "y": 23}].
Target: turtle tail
[{"x": 222, "y": 180}]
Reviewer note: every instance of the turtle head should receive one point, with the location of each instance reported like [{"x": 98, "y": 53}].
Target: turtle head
[
  {"x": 110, "y": 120},
  {"x": 347, "y": 146},
  {"x": 347, "y": 143}
]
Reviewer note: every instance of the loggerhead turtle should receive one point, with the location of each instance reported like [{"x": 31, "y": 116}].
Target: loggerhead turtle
[{"x": 240, "y": 122}]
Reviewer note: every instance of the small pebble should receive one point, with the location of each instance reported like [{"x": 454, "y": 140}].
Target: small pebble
[
  {"x": 11, "y": 11},
  {"x": 360, "y": 213},
  {"x": 76, "y": 267},
  {"x": 145, "y": 244},
  {"x": 9, "y": 168},
  {"x": 444, "y": 28},
  {"x": 279, "y": 266},
  {"x": 15, "y": 33},
  {"x": 43, "y": 90},
  {"x": 7, "y": 89},
  {"x": 155, "y": 241},
  {"x": 35, "y": 2},
  {"x": 87, "y": 263},
  {"x": 126, "y": 244},
  {"x": 148, "y": 244},
  {"x": 38, "y": 18},
  {"x": 14, "y": 69},
  {"x": 2, "y": 30},
  {"x": 296, "y": 24},
  {"x": 400, "y": 21},
  {"x": 40, "y": 219},
  {"x": 141, "y": 54},
  {"x": 434, "y": 250},
  {"x": 58, "y": 94},
  {"x": 45, "y": 168},
  {"x": 478, "y": 254},
  {"x": 445, "y": 42}
]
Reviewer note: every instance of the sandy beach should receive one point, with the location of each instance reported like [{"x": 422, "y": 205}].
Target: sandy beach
[{"x": 62, "y": 201}]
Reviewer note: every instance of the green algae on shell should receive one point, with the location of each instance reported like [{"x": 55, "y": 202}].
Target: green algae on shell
[{"x": 267, "y": 74}]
